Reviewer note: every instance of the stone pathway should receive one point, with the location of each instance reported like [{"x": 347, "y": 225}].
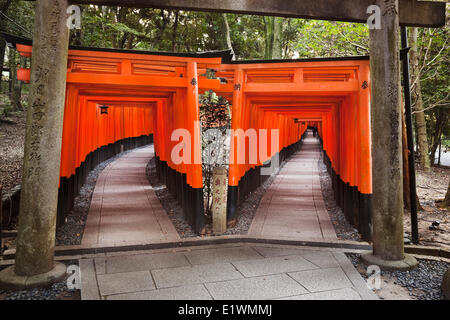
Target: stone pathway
[
  {"x": 232, "y": 271},
  {"x": 293, "y": 206},
  {"x": 124, "y": 208}
]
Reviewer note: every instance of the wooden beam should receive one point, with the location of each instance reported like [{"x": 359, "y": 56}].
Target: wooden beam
[
  {"x": 412, "y": 12},
  {"x": 304, "y": 88}
]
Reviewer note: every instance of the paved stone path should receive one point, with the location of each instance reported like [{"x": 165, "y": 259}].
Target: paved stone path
[
  {"x": 293, "y": 206},
  {"x": 232, "y": 271},
  {"x": 124, "y": 208}
]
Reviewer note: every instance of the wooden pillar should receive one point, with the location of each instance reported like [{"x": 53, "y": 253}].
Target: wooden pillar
[
  {"x": 388, "y": 251},
  {"x": 234, "y": 167},
  {"x": 34, "y": 265},
  {"x": 196, "y": 144},
  {"x": 365, "y": 173}
]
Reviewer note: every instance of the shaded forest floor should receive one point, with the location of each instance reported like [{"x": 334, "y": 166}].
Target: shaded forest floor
[
  {"x": 12, "y": 137},
  {"x": 432, "y": 186}
]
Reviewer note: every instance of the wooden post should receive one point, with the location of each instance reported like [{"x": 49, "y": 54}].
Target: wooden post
[
  {"x": 410, "y": 144},
  {"x": 196, "y": 166},
  {"x": 219, "y": 207},
  {"x": 406, "y": 195},
  {"x": 388, "y": 250},
  {"x": 234, "y": 167},
  {"x": 34, "y": 265}
]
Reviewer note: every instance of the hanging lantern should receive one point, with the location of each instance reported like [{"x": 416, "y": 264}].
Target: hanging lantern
[
  {"x": 103, "y": 109},
  {"x": 24, "y": 74}
]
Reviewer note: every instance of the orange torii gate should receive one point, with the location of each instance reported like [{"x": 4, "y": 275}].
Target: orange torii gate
[
  {"x": 270, "y": 95},
  {"x": 117, "y": 100}
]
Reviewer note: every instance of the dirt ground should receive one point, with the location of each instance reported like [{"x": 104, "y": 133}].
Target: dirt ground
[
  {"x": 431, "y": 186},
  {"x": 12, "y": 137}
]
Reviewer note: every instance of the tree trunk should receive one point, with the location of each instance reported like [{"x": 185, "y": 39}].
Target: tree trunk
[
  {"x": 277, "y": 31},
  {"x": 447, "y": 196},
  {"x": 441, "y": 120},
  {"x": 174, "y": 31},
  {"x": 268, "y": 32},
  {"x": 418, "y": 107},
  {"x": 228, "y": 33},
  {"x": 272, "y": 28}
]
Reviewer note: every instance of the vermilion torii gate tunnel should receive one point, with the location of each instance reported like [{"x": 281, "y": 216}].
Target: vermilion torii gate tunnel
[
  {"x": 112, "y": 105},
  {"x": 263, "y": 96},
  {"x": 117, "y": 100},
  {"x": 268, "y": 95}
]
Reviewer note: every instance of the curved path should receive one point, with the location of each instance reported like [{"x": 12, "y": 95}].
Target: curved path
[
  {"x": 124, "y": 208},
  {"x": 293, "y": 206}
]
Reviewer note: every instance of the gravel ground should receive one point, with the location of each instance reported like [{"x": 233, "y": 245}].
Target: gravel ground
[
  {"x": 71, "y": 232},
  {"x": 246, "y": 210},
  {"x": 344, "y": 230},
  {"x": 169, "y": 203},
  {"x": 57, "y": 291},
  {"x": 431, "y": 187},
  {"x": 422, "y": 283}
]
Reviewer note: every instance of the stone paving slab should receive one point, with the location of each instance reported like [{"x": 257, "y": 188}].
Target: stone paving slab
[
  {"x": 239, "y": 271},
  {"x": 89, "y": 288},
  {"x": 322, "y": 279},
  {"x": 358, "y": 282},
  {"x": 126, "y": 263},
  {"x": 210, "y": 256},
  {"x": 283, "y": 251},
  {"x": 124, "y": 206},
  {"x": 193, "y": 292},
  {"x": 258, "y": 288},
  {"x": 125, "y": 282},
  {"x": 339, "y": 294},
  {"x": 274, "y": 265},
  {"x": 173, "y": 277},
  {"x": 321, "y": 259}
]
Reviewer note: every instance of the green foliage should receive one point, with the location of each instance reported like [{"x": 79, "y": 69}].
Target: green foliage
[
  {"x": 434, "y": 66},
  {"x": 330, "y": 39},
  {"x": 20, "y": 18}
]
